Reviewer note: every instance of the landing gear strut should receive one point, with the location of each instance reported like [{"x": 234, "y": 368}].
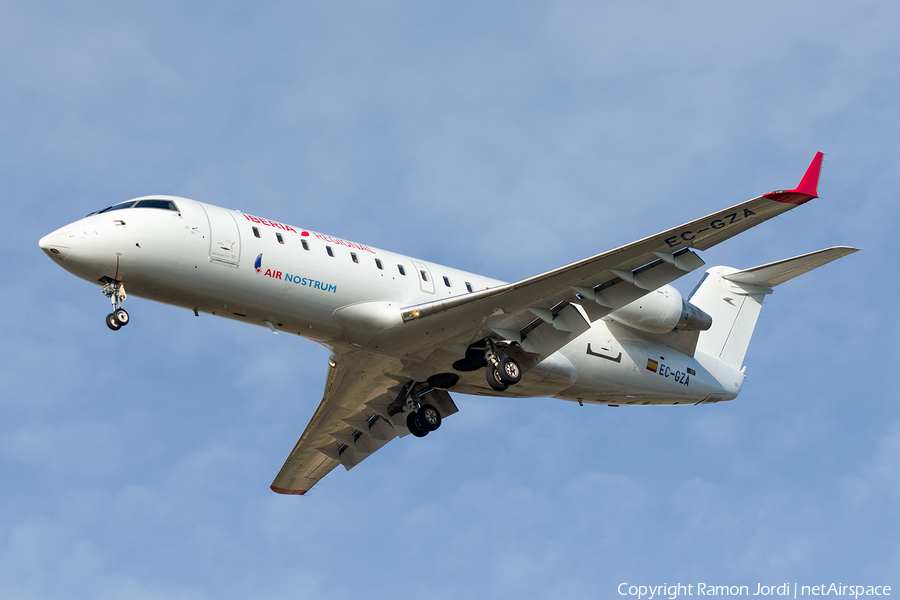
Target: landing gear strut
[
  {"x": 502, "y": 371},
  {"x": 115, "y": 291}
]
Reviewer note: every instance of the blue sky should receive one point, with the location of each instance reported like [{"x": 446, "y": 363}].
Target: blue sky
[{"x": 503, "y": 138}]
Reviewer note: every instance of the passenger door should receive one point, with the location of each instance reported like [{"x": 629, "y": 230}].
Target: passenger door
[{"x": 224, "y": 237}]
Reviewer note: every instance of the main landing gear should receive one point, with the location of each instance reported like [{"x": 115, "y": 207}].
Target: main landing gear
[
  {"x": 422, "y": 418},
  {"x": 423, "y": 421},
  {"x": 115, "y": 291},
  {"x": 502, "y": 371}
]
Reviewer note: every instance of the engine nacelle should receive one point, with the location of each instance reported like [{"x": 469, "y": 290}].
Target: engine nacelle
[{"x": 661, "y": 311}]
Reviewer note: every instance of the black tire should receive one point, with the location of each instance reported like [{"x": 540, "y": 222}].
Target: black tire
[
  {"x": 412, "y": 424},
  {"x": 428, "y": 417},
  {"x": 112, "y": 323},
  {"x": 493, "y": 379},
  {"x": 121, "y": 316},
  {"x": 510, "y": 371}
]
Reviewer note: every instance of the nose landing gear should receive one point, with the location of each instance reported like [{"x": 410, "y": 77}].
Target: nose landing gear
[{"x": 115, "y": 291}]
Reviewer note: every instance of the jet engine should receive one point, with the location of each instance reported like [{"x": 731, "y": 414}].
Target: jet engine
[{"x": 661, "y": 311}]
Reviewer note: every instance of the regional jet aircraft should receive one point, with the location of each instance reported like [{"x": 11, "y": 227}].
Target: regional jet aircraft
[{"x": 608, "y": 329}]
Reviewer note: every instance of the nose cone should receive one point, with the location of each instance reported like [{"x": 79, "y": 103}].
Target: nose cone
[{"x": 58, "y": 244}]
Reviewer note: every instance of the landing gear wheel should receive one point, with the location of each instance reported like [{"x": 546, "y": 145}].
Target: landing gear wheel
[
  {"x": 112, "y": 323},
  {"x": 428, "y": 418},
  {"x": 509, "y": 372},
  {"x": 412, "y": 424},
  {"x": 121, "y": 316},
  {"x": 493, "y": 379}
]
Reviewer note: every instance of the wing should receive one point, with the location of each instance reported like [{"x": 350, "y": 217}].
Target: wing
[
  {"x": 541, "y": 313},
  {"x": 352, "y": 421},
  {"x": 544, "y": 312}
]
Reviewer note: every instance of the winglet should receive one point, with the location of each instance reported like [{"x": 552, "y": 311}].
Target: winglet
[{"x": 808, "y": 187}]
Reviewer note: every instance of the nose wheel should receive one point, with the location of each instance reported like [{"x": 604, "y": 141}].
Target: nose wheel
[
  {"x": 118, "y": 318},
  {"x": 112, "y": 323},
  {"x": 121, "y": 316}
]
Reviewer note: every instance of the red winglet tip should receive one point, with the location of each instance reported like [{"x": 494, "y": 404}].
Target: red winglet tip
[
  {"x": 279, "y": 490},
  {"x": 806, "y": 190},
  {"x": 809, "y": 185}
]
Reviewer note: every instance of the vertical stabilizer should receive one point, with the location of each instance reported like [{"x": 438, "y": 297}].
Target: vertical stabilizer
[
  {"x": 734, "y": 309},
  {"x": 734, "y": 298}
]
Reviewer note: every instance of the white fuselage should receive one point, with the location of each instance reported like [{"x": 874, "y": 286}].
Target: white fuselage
[{"x": 227, "y": 263}]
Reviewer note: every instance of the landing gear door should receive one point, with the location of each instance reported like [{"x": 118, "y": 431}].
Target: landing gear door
[
  {"x": 224, "y": 238},
  {"x": 426, "y": 281}
]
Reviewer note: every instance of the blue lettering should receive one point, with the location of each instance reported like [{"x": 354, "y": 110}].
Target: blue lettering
[
  {"x": 316, "y": 285},
  {"x": 332, "y": 288},
  {"x": 305, "y": 281}
]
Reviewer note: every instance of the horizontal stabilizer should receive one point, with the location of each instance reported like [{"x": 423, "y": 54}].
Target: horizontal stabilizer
[
  {"x": 733, "y": 299},
  {"x": 778, "y": 272}
]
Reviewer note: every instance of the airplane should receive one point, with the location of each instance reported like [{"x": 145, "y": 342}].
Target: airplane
[{"x": 608, "y": 329}]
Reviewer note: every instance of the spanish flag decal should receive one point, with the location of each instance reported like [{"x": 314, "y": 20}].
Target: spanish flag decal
[{"x": 652, "y": 365}]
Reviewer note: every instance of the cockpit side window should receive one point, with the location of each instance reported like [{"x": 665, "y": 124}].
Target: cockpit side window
[{"x": 163, "y": 204}]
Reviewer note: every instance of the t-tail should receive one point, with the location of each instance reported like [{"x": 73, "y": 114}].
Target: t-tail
[{"x": 734, "y": 298}]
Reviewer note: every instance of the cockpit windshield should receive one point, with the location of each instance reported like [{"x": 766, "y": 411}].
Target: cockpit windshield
[
  {"x": 162, "y": 204},
  {"x": 118, "y": 206}
]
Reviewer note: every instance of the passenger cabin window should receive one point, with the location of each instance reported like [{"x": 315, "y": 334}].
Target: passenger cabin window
[
  {"x": 469, "y": 287},
  {"x": 329, "y": 251},
  {"x": 424, "y": 275},
  {"x": 256, "y": 232},
  {"x": 354, "y": 258},
  {"x": 446, "y": 281},
  {"x": 378, "y": 264},
  {"x": 304, "y": 244},
  {"x": 401, "y": 269},
  {"x": 279, "y": 237}
]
